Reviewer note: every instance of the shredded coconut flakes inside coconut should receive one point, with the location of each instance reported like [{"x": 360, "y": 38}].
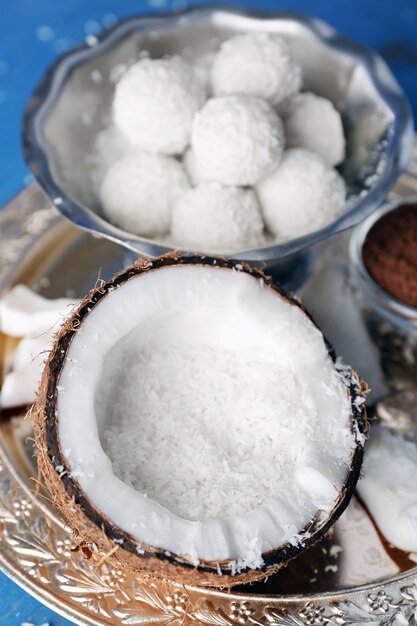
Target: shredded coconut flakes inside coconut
[{"x": 212, "y": 406}]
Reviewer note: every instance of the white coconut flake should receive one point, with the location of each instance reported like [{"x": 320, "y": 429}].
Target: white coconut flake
[
  {"x": 208, "y": 399},
  {"x": 331, "y": 568},
  {"x": 335, "y": 550}
]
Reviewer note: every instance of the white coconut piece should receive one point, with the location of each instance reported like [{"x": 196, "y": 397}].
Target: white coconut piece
[
  {"x": 312, "y": 122},
  {"x": 236, "y": 140},
  {"x": 212, "y": 218},
  {"x": 154, "y": 104},
  {"x": 388, "y": 487},
  {"x": 328, "y": 297},
  {"x": 24, "y": 313},
  {"x": 258, "y": 64},
  {"x": 209, "y": 421},
  {"x": 20, "y": 386},
  {"x": 139, "y": 191},
  {"x": 364, "y": 556},
  {"x": 302, "y": 195}
]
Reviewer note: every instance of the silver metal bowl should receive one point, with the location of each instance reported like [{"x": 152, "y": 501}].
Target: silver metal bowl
[{"x": 69, "y": 108}]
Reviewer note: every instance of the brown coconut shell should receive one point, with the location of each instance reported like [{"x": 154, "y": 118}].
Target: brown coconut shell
[{"x": 93, "y": 526}]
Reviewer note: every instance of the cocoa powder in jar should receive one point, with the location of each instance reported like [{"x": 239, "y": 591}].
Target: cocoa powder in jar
[{"x": 390, "y": 253}]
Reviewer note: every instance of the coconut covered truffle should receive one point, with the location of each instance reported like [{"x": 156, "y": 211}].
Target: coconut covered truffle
[
  {"x": 154, "y": 104},
  {"x": 139, "y": 191},
  {"x": 302, "y": 195},
  {"x": 236, "y": 140},
  {"x": 215, "y": 218},
  {"x": 313, "y": 123},
  {"x": 259, "y": 64}
]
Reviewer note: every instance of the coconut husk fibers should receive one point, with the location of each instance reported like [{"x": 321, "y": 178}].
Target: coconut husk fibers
[{"x": 93, "y": 526}]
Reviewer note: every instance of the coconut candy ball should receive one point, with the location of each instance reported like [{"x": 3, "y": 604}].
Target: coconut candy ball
[
  {"x": 154, "y": 104},
  {"x": 302, "y": 195},
  {"x": 139, "y": 190},
  {"x": 211, "y": 217},
  {"x": 236, "y": 140},
  {"x": 258, "y": 64},
  {"x": 313, "y": 123}
]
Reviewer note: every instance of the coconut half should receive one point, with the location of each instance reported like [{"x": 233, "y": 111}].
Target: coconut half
[{"x": 193, "y": 422}]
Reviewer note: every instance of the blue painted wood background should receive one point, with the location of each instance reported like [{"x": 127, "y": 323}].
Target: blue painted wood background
[{"x": 34, "y": 32}]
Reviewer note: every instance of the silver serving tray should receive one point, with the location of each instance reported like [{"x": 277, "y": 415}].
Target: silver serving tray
[
  {"x": 352, "y": 577},
  {"x": 69, "y": 108}
]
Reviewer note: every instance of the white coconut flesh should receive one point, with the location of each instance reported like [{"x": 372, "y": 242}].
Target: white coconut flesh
[
  {"x": 26, "y": 314},
  {"x": 201, "y": 413},
  {"x": 388, "y": 486}
]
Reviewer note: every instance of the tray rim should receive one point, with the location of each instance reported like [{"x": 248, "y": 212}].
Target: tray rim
[{"x": 376, "y": 602}]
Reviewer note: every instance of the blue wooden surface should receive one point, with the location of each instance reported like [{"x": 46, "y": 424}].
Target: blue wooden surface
[{"x": 34, "y": 32}]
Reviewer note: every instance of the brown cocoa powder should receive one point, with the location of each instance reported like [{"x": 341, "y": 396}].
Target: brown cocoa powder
[{"x": 390, "y": 253}]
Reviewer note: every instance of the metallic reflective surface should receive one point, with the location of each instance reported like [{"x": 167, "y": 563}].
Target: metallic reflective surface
[
  {"x": 351, "y": 577},
  {"x": 68, "y": 109},
  {"x": 401, "y": 315}
]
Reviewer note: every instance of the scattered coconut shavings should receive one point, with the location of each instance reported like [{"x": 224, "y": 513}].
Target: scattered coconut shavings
[
  {"x": 331, "y": 568},
  {"x": 335, "y": 550},
  {"x": 157, "y": 412}
]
